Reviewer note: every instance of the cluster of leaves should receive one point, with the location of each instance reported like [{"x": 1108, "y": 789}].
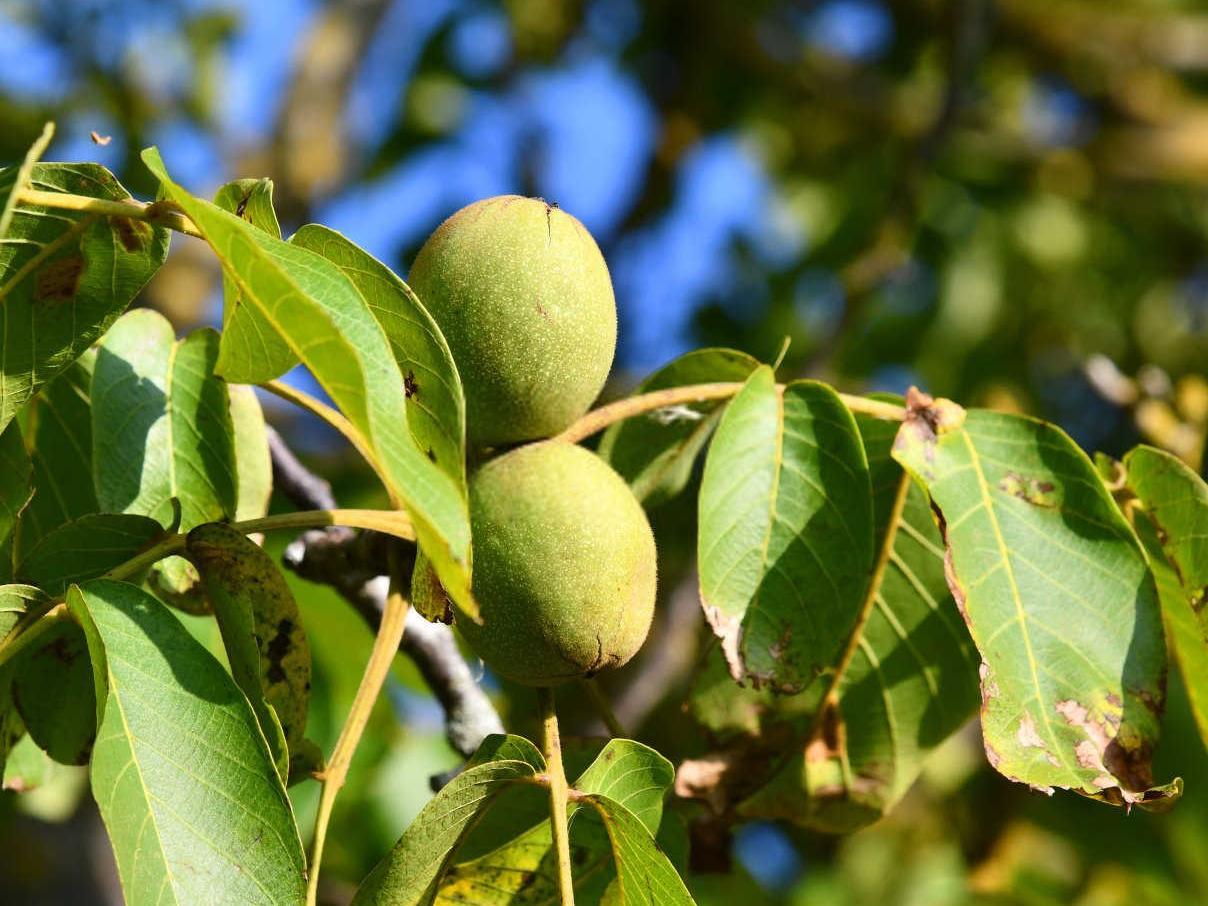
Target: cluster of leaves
[{"x": 841, "y": 541}]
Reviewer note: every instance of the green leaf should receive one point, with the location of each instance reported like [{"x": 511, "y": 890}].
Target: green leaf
[
  {"x": 645, "y": 875},
  {"x": 412, "y": 870},
  {"x": 65, "y": 276},
  {"x": 1057, "y": 595},
  {"x": 324, "y": 318},
  {"x": 507, "y": 747},
  {"x": 86, "y": 548},
  {"x": 15, "y": 472},
  {"x": 58, "y": 431},
  {"x": 1175, "y": 506},
  {"x": 632, "y": 775},
  {"x": 261, "y": 631},
  {"x": 15, "y": 600},
  {"x": 253, "y": 462},
  {"x": 655, "y": 452},
  {"x": 187, "y": 789},
  {"x": 523, "y": 870},
  {"x": 786, "y": 535},
  {"x": 161, "y": 424},
  {"x": 252, "y": 349},
  {"x": 436, "y": 407},
  {"x": 909, "y": 680},
  {"x": 53, "y": 691}
]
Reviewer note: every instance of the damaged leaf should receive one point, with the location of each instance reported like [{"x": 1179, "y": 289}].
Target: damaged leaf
[
  {"x": 785, "y": 541},
  {"x": 908, "y": 680},
  {"x": 1172, "y": 518},
  {"x": 261, "y": 631},
  {"x": 65, "y": 276},
  {"x": 1057, "y": 595}
]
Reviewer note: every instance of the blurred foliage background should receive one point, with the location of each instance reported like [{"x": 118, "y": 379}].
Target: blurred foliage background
[{"x": 1002, "y": 202}]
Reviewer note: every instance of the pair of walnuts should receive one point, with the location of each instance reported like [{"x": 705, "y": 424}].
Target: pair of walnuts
[{"x": 564, "y": 559}]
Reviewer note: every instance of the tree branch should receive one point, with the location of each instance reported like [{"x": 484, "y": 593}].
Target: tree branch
[{"x": 355, "y": 565}]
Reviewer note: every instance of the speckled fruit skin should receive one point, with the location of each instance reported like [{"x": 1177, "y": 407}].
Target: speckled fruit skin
[
  {"x": 523, "y": 297},
  {"x": 564, "y": 566}
]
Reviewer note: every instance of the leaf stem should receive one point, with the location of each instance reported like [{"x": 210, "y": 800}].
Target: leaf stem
[
  {"x": 551, "y": 744},
  {"x": 390, "y": 522},
  {"x": 158, "y": 213},
  {"x": 600, "y": 701},
  {"x": 830, "y": 698},
  {"x": 385, "y": 647},
  {"x": 599, "y": 419}
]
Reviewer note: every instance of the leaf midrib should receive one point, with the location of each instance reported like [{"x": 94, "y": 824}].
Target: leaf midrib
[{"x": 1020, "y": 614}]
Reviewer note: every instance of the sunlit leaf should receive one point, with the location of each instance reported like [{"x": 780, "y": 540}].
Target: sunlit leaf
[
  {"x": 252, "y": 349},
  {"x": 161, "y": 424},
  {"x": 318, "y": 310},
  {"x": 645, "y": 875},
  {"x": 907, "y": 683},
  {"x": 1175, "y": 502},
  {"x": 187, "y": 789},
  {"x": 253, "y": 463},
  {"x": 786, "y": 536},
  {"x": 655, "y": 452},
  {"x": 436, "y": 408},
  {"x": 410, "y": 873},
  {"x": 65, "y": 276},
  {"x": 522, "y": 871},
  {"x": 1057, "y": 595}
]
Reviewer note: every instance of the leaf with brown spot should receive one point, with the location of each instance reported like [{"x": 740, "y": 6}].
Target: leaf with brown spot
[
  {"x": 65, "y": 276},
  {"x": 905, "y": 682},
  {"x": 261, "y": 630},
  {"x": 1058, "y": 597},
  {"x": 1172, "y": 521}
]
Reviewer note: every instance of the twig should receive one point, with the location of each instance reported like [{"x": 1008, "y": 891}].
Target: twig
[
  {"x": 385, "y": 647},
  {"x": 599, "y": 419},
  {"x": 551, "y": 745}
]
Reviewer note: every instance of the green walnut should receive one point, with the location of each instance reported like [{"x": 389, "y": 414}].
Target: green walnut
[
  {"x": 564, "y": 566},
  {"x": 523, "y": 297}
]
